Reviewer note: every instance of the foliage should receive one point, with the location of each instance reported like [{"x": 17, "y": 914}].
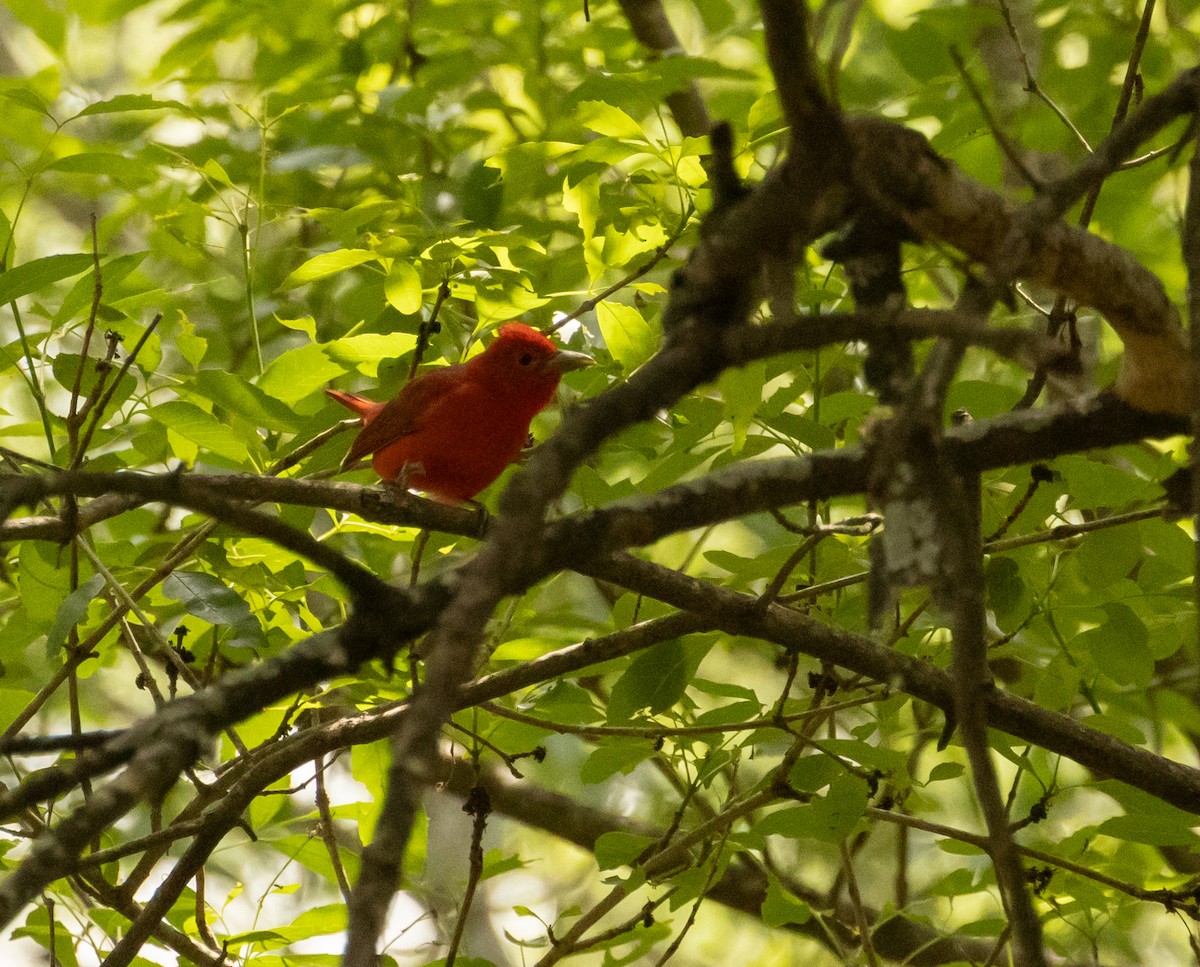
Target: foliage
[{"x": 212, "y": 210}]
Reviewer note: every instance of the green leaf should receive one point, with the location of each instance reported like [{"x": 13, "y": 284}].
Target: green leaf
[
  {"x": 829, "y": 818},
  {"x": 33, "y": 276},
  {"x": 1007, "y": 594},
  {"x": 124, "y": 103},
  {"x": 216, "y": 171},
  {"x": 837, "y": 813},
  {"x": 131, "y": 331},
  {"x": 724, "y": 689},
  {"x": 121, "y": 168},
  {"x": 871, "y": 755},
  {"x": 629, "y": 338},
  {"x": 209, "y": 599},
  {"x": 206, "y": 597},
  {"x": 73, "y": 610},
  {"x": 619, "y": 849},
  {"x": 742, "y": 389},
  {"x": 112, "y": 272},
  {"x": 496, "y": 863},
  {"x": 44, "y": 19},
  {"x": 1119, "y": 646},
  {"x": 201, "y": 428},
  {"x": 44, "y": 585},
  {"x": 1057, "y": 683},
  {"x": 781, "y": 907},
  {"x": 1108, "y": 555},
  {"x": 945, "y": 770},
  {"x": 27, "y": 99},
  {"x": 1093, "y": 483},
  {"x": 789, "y": 822},
  {"x": 327, "y": 264},
  {"x": 190, "y": 346},
  {"x": 319, "y": 921},
  {"x": 583, "y": 200},
  {"x": 921, "y": 51},
  {"x": 299, "y": 372},
  {"x": 814, "y": 772},
  {"x": 606, "y": 761},
  {"x": 245, "y": 399},
  {"x": 956, "y": 847},
  {"x": 656, "y": 679},
  {"x": 66, "y": 366},
  {"x": 608, "y": 120},
  {"x": 1155, "y": 830},
  {"x": 304, "y": 324},
  {"x": 802, "y": 429},
  {"x": 732, "y": 713},
  {"x": 403, "y": 288},
  {"x": 368, "y": 350}
]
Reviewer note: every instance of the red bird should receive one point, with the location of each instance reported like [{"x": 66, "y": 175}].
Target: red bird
[{"x": 451, "y": 431}]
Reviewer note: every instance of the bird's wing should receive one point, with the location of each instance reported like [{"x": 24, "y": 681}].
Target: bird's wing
[{"x": 407, "y": 413}]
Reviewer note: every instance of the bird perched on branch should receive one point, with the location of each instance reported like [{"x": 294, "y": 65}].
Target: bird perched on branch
[{"x": 451, "y": 431}]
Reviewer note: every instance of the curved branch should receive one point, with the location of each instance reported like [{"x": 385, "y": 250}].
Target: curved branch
[
  {"x": 902, "y": 173},
  {"x": 649, "y": 23}
]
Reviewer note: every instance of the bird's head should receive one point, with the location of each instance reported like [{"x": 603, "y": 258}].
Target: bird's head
[{"x": 528, "y": 362}]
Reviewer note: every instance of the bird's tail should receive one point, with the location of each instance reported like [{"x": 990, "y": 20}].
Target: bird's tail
[{"x": 359, "y": 405}]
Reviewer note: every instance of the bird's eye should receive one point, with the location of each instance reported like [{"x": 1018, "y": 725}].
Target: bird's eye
[{"x": 526, "y": 359}]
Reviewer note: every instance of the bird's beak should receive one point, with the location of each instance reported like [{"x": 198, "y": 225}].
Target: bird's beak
[{"x": 565, "y": 360}]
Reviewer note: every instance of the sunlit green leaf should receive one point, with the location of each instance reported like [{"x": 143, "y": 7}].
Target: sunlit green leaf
[
  {"x": 47, "y": 22},
  {"x": 299, "y": 372},
  {"x": 326, "y": 264},
  {"x": 403, "y": 288},
  {"x": 608, "y": 120},
  {"x": 628, "y": 336},
  {"x": 741, "y": 390}
]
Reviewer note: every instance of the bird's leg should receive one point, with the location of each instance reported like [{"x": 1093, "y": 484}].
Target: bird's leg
[
  {"x": 408, "y": 471},
  {"x": 402, "y": 480}
]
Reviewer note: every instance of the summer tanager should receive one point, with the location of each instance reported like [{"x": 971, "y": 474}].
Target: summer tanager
[{"x": 451, "y": 431}]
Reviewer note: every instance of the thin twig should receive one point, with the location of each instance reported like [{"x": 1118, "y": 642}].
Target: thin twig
[
  {"x": 856, "y": 903},
  {"x": 329, "y": 831},
  {"x": 108, "y": 395},
  {"x": 97, "y": 290},
  {"x": 428, "y": 327},
  {"x": 1031, "y": 84},
  {"x": 479, "y": 807}
]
